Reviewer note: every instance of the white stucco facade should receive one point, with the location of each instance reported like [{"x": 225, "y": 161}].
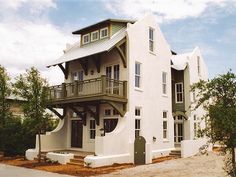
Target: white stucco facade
[{"x": 117, "y": 146}]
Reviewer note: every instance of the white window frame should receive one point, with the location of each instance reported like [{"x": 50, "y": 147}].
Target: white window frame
[
  {"x": 92, "y": 40},
  {"x": 92, "y": 129},
  {"x": 182, "y": 92},
  {"x": 164, "y": 83},
  {"x": 137, "y": 75},
  {"x": 83, "y": 37},
  {"x": 137, "y": 118},
  {"x": 151, "y": 39},
  {"x": 106, "y": 28},
  {"x": 165, "y": 119}
]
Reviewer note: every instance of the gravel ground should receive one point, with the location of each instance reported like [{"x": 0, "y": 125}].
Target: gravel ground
[{"x": 197, "y": 166}]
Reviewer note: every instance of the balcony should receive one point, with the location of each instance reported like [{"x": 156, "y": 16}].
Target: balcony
[{"x": 97, "y": 89}]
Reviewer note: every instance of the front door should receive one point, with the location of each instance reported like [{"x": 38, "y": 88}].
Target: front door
[
  {"x": 139, "y": 150},
  {"x": 178, "y": 129},
  {"x": 76, "y": 133}
]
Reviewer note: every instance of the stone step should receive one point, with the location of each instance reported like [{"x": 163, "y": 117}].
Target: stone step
[{"x": 79, "y": 156}]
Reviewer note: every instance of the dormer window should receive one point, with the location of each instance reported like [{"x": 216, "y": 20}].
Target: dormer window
[
  {"x": 86, "y": 39},
  {"x": 104, "y": 32},
  {"x": 94, "y": 36}
]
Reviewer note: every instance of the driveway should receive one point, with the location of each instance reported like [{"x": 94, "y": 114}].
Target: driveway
[
  {"x": 197, "y": 166},
  {"x": 12, "y": 171}
]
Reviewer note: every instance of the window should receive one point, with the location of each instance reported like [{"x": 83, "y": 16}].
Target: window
[
  {"x": 110, "y": 125},
  {"x": 137, "y": 74},
  {"x": 151, "y": 39},
  {"x": 104, "y": 32},
  {"x": 179, "y": 92},
  {"x": 107, "y": 112},
  {"x": 164, "y": 83},
  {"x": 86, "y": 39},
  {"x": 196, "y": 126},
  {"x": 137, "y": 128},
  {"x": 94, "y": 36},
  {"x": 198, "y": 65},
  {"x": 92, "y": 131},
  {"x": 165, "y": 125},
  {"x": 137, "y": 122},
  {"x": 194, "y": 96},
  {"x": 137, "y": 111}
]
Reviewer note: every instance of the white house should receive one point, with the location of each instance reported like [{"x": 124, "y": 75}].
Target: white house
[{"x": 126, "y": 96}]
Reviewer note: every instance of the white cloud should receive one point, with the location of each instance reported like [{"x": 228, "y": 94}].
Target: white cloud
[
  {"x": 26, "y": 43},
  {"x": 164, "y": 9}
]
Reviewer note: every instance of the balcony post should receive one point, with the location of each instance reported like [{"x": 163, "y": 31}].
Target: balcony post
[
  {"x": 63, "y": 90},
  {"x": 125, "y": 89},
  {"x": 103, "y": 79},
  {"x": 76, "y": 88}
]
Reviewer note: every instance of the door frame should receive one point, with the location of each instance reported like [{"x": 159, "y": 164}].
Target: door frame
[
  {"x": 176, "y": 122},
  {"x": 81, "y": 123}
]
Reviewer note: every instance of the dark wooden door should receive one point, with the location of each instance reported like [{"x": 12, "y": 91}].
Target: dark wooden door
[
  {"x": 139, "y": 150},
  {"x": 76, "y": 133}
]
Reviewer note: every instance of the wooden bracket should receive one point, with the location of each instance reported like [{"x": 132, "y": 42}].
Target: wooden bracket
[
  {"x": 121, "y": 48},
  {"x": 82, "y": 114},
  {"x": 119, "y": 107},
  {"x": 95, "y": 114},
  {"x": 84, "y": 65},
  {"x": 65, "y": 70},
  {"x": 57, "y": 113},
  {"x": 97, "y": 62}
]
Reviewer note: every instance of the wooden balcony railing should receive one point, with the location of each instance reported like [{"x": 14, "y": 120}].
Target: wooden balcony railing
[{"x": 91, "y": 87}]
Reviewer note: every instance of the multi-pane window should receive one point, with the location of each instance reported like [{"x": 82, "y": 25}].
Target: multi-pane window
[
  {"x": 137, "y": 122},
  {"x": 137, "y": 128},
  {"x": 165, "y": 125},
  {"x": 179, "y": 92},
  {"x": 107, "y": 112},
  {"x": 110, "y": 124},
  {"x": 92, "y": 129},
  {"x": 198, "y": 65},
  {"x": 94, "y": 36},
  {"x": 164, "y": 83},
  {"x": 104, "y": 33},
  {"x": 151, "y": 39},
  {"x": 86, "y": 39},
  {"x": 137, "y": 74}
]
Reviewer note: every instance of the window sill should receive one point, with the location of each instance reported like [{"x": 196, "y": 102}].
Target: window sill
[
  {"x": 152, "y": 53},
  {"x": 165, "y": 95},
  {"x": 138, "y": 89},
  {"x": 91, "y": 141},
  {"x": 166, "y": 141}
]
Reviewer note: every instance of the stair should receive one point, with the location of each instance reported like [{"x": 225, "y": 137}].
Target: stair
[
  {"x": 43, "y": 156},
  {"x": 175, "y": 154},
  {"x": 77, "y": 160}
]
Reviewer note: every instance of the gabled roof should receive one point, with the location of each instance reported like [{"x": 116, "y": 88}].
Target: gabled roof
[
  {"x": 77, "y": 52},
  {"x": 180, "y": 61},
  {"x": 102, "y": 22}
]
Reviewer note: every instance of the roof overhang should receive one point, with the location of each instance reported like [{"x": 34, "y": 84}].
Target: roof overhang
[{"x": 78, "y": 52}]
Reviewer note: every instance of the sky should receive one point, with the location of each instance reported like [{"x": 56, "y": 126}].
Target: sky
[{"x": 35, "y": 32}]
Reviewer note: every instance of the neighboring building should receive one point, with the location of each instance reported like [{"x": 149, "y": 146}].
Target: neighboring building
[
  {"x": 16, "y": 106},
  {"x": 123, "y": 78}
]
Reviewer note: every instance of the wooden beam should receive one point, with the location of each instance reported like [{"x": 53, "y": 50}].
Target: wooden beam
[
  {"x": 82, "y": 114},
  {"x": 84, "y": 65},
  {"x": 121, "y": 48},
  {"x": 65, "y": 70},
  {"x": 57, "y": 113},
  {"x": 119, "y": 107},
  {"x": 95, "y": 114}
]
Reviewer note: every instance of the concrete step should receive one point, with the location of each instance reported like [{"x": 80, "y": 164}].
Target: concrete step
[
  {"x": 76, "y": 163},
  {"x": 79, "y": 156},
  {"x": 77, "y": 160},
  {"x": 176, "y": 153}
]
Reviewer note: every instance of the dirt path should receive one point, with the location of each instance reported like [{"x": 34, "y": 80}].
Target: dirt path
[{"x": 197, "y": 166}]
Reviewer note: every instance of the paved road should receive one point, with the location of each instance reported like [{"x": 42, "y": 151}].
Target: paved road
[{"x": 12, "y": 171}]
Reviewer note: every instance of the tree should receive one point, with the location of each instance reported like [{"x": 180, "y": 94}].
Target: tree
[
  {"x": 4, "y": 105},
  {"x": 33, "y": 89},
  {"x": 218, "y": 98}
]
